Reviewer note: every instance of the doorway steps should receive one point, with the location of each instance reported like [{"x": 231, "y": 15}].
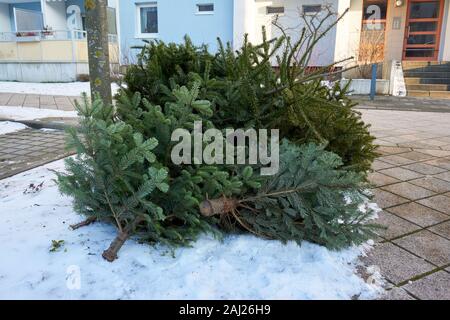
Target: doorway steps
[{"x": 427, "y": 79}]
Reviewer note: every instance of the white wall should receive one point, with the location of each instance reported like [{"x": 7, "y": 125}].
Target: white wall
[
  {"x": 324, "y": 51},
  {"x": 5, "y": 24},
  {"x": 250, "y": 16},
  {"x": 445, "y": 36},
  {"x": 55, "y": 15}
]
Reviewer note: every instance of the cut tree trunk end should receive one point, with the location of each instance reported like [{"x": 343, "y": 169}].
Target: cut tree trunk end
[
  {"x": 111, "y": 253},
  {"x": 209, "y": 208},
  {"x": 84, "y": 223}
]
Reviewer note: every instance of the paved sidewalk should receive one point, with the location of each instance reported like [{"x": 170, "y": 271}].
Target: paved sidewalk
[
  {"x": 412, "y": 180},
  {"x": 64, "y": 103},
  {"x": 26, "y": 149},
  {"x": 403, "y": 103}
]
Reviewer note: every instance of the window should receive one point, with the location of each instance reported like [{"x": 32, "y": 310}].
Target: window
[
  {"x": 147, "y": 22},
  {"x": 275, "y": 10},
  {"x": 374, "y": 14},
  {"x": 311, "y": 9},
  {"x": 111, "y": 14},
  {"x": 205, "y": 8},
  {"x": 371, "y": 43}
]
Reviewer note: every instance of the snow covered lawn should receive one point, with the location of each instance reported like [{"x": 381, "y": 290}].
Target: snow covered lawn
[
  {"x": 74, "y": 89},
  {"x": 240, "y": 267},
  {"x": 21, "y": 113},
  {"x": 8, "y": 127}
]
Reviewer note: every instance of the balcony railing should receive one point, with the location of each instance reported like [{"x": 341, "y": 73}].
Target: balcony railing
[{"x": 40, "y": 35}]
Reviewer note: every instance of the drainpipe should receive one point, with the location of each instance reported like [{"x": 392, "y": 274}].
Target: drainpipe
[{"x": 44, "y": 12}]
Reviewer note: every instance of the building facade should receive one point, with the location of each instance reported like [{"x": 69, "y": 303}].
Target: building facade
[
  {"x": 382, "y": 31},
  {"x": 45, "y": 40}
]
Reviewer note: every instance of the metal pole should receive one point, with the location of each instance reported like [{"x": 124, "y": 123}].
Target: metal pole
[{"x": 373, "y": 82}]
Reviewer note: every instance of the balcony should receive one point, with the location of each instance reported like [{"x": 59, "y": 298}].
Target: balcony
[{"x": 49, "y": 46}]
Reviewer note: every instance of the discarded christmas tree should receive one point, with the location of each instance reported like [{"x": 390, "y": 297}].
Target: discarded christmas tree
[{"x": 309, "y": 199}]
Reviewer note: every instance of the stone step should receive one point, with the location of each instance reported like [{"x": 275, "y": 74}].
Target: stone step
[
  {"x": 435, "y": 68},
  {"x": 428, "y": 87},
  {"x": 426, "y": 74},
  {"x": 409, "y": 80},
  {"x": 440, "y": 94},
  {"x": 432, "y": 94},
  {"x": 423, "y": 64}
]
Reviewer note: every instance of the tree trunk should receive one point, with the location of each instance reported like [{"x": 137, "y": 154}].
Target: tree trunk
[
  {"x": 111, "y": 253},
  {"x": 98, "y": 51}
]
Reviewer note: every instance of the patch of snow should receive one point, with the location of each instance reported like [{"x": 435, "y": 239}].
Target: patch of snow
[
  {"x": 239, "y": 267},
  {"x": 20, "y": 113},
  {"x": 9, "y": 127},
  {"x": 74, "y": 89}
]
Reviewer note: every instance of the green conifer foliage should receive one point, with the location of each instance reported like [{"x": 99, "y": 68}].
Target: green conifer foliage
[
  {"x": 311, "y": 198},
  {"x": 245, "y": 91}
]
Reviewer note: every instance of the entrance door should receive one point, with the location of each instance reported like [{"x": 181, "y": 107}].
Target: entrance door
[{"x": 423, "y": 29}]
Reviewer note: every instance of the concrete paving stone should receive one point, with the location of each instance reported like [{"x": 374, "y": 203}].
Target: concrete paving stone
[
  {"x": 435, "y": 286},
  {"x": 395, "y": 226},
  {"x": 439, "y": 202},
  {"x": 47, "y": 100},
  {"x": 442, "y": 229},
  {"x": 424, "y": 168},
  {"x": 416, "y": 156},
  {"x": 427, "y": 245},
  {"x": 386, "y": 199},
  {"x": 37, "y": 153},
  {"x": 6, "y": 156},
  {"x": 379, "y": 179},
  {"x": 437, "y": 153},
  {"x": 396, "y": 139},
  {"x": 37, "y": 143},
  {"x": 405, "y": 131},
  {"x": 446, "y": 147},
  {"x": 4, "y": 98},
  {"x": 16, "y": 100},
  {"x": 433, "y": 184},
  {"x": 401, "y": 173},
  {"x": 21, "y": 152},
  {"x": 443, "y": 176},
  {"x": 434, "y": 142},
  {"x": 9, "y": 150},
  {"x": 396, "y": 160},
  {"x": 396, "y": 294},
  {"x": 396, "y": 264},
  {"x": 408, "y": 190},
  {"x": 418, "y": 214},
  {"x": 416, "y": 145},
  {"x": 381, "y": 142},
  {"x": 385, "y": 150},
  {"x": 383, "y": 133},
  {"x": 446, "y": 139}
]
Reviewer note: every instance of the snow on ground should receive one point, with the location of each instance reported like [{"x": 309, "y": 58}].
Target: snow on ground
[
  {"x": 54, "y": 89},
  {"x": 8, "y": 127},
  {"x": 20, "y": 113},
  {"x": 240, "y": 267}
]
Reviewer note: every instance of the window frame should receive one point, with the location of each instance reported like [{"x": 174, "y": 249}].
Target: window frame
[
  {"x": 312, "y": 13},
  {"x": 198, "y": 12},
  {"x": 268, "y": 8},
  {"x": 138, "y": 33}
]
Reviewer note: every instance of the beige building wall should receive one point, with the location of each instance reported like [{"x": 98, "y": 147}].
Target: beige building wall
[
  {"x": 395, "y": 31},
  {"x": 60, "y": 51}
]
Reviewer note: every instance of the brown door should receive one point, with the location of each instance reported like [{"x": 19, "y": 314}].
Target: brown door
[{"x": 423, "y": 30}]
